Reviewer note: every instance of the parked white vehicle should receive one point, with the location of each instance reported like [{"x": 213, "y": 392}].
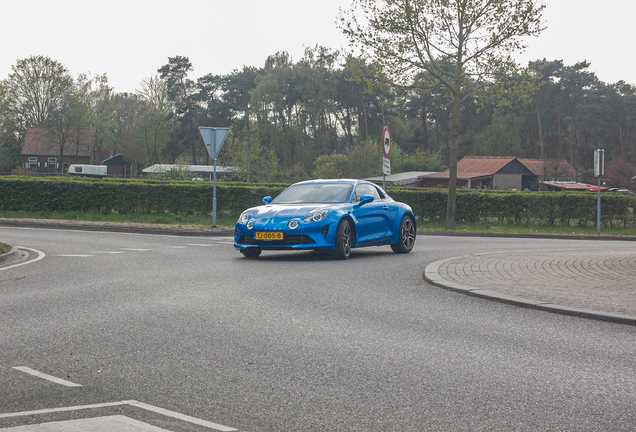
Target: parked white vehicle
[{"x": 98, "y": 171}]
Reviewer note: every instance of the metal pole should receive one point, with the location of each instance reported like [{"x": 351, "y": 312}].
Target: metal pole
[
  {"x": 384, "y": 181},
  {"x": 598, "y": 207},
  {"x": 214, "y": 198}
]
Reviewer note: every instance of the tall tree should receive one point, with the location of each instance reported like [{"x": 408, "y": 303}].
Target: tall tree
[
  {"x": 36, "y": 91},
  {"x": 476, "y": 36},
  {"x": 180, "y": 90}
]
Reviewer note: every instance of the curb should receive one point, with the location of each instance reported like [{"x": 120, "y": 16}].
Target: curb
[
  {"x": 431, "y": 275},
  {"x": 9, "y": 255},
  {"x": 115, "y": 227}
]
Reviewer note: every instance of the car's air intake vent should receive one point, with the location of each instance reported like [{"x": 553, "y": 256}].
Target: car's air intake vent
[{"x": 289, "y": 240}]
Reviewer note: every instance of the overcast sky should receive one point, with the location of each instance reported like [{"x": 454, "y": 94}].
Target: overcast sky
[{"x": 129, "y": 40}]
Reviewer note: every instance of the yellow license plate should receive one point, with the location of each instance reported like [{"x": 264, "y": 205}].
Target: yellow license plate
[{"x": 269, "y": 236}]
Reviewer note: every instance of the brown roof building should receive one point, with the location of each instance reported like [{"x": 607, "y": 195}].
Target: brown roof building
[
  {"x": 498, "y": 172},
  {"x": 41, "y": 149}
]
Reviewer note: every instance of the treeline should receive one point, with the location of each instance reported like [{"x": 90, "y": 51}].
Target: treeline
[{"x": 322, "y": 116}]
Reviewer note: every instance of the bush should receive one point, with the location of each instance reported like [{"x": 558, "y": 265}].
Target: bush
[{"x": 59, "y": 194}]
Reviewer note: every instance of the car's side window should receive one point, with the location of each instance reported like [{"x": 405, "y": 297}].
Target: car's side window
[{"x": 366, "y": 189}]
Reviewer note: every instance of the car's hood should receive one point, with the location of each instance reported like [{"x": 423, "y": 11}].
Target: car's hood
[{"x": 276, "y": 211}]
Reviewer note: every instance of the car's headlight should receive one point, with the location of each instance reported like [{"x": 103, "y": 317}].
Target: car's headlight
[
  {"x": 244, "y": 217},
  {"x": 317, "y": 216}
]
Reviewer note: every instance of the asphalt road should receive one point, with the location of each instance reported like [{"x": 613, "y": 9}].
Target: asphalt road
[{"x": 294, "y": 341}]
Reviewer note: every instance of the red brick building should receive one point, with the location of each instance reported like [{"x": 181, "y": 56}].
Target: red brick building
[{"x": 41, "y": 150}]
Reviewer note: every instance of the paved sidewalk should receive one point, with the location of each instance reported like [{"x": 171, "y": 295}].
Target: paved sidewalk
[{"x": 598, "y": 284}]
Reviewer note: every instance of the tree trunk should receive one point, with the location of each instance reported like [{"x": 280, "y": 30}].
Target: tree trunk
[
  {"x": 573, "y": 143},
  {"x": 425, "y": 130},
  {"x": 540, "y": 125},
  {"x": 451, "y": 205}
]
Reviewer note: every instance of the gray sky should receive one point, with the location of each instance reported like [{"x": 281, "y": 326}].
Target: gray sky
[{"x": 129, "y": 40}]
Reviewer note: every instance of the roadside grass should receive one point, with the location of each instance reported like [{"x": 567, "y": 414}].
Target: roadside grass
[
  {"x": 4, "y": 248},
  {"x": 228, "y": 219},
  {"x": 527, "y": 229},
  {"x": 223, "y": 219}
]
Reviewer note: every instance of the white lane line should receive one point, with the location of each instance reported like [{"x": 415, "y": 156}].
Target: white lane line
[
  {"x": 201, "y": 244},
  {"x": 108, "y": 252},
  {"x": 135, "y": 250},
  {"x": 51, "y": 378},
  {"x": 93, "y": 424},
  {"x": 61, "y": 409},
  {"x": 41, "y": 255},
  {"x": 180, "y": 416},
  {"x": 72, "y": 255},
  {"x": 134, "y": 403},
  {"x": 176, "y": 247}
]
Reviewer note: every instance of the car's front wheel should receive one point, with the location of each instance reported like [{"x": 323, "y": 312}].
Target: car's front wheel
[
  {"x": 251, "y": 253},
  {"x": 344, "y": 240},
  {"x": 407, "y": 236}
]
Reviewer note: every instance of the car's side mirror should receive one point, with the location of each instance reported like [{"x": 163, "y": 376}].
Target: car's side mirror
[
  {"x": 365, "y": 199},
  {"x": 267, "y": 199}
]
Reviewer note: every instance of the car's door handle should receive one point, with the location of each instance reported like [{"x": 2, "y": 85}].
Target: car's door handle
[{"x": 385, "y": 207}]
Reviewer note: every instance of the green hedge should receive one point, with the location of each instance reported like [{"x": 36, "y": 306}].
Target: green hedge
[
  {"x": 32, "y": 194},
  {"x": 542, "y": 208}
]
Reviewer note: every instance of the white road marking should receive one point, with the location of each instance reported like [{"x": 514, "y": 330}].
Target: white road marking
[
  {"x": 135, "y": 250},
  {"x": 176, "y": 247},
  {"x": 72, "y": 255},
  {"x": 201, "y": 244},
  {"x": 61, "y": 409},
  {"x": 108, "y": 252},
  {"x": 180, "y": 416},
  {"x": 94, "y": 424},
  {"x": 133, "y": 403},
  {"x": 51, "y": 378},
  {"x": 41, "y": 255}
]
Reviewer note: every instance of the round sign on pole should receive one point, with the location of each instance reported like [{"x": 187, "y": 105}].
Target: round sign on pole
[{"x": 386, "y": 141}]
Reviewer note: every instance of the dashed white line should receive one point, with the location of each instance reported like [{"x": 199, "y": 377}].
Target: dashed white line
[
  {"x": 108, "y": 252},
  {"x": 47, "y": 377},
  {"x": 73, "y": 255},
  {"x": 201, "y": 244},
  {"x": 135, "y": 249}
]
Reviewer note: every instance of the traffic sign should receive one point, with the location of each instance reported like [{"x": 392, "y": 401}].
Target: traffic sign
[
  {"x": 386, "y": 166},
  {"x": 386, "y": 141},
  {"x": 599, "y": 162},
  {"x": 213, "y": 138}
]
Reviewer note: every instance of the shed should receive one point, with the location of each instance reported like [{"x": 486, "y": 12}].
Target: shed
[
  {"x": 118, "y": 166},
  {"x": 492, "y": 172},
  {"x": 409, "y": 178},
  {"x": 204, "y": 171}
]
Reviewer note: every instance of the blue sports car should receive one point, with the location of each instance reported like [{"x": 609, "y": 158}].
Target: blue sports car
[{"x": 332, "y": 215}]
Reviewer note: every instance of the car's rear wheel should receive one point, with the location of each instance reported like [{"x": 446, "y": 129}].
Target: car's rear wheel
[
  {"x": 344, "y": 240},
  {"x": 251, "y": 253},
  {"x": 407, "y": 236}
]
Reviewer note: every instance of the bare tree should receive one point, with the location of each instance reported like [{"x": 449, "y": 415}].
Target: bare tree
[{"x": 474, "y": 37}]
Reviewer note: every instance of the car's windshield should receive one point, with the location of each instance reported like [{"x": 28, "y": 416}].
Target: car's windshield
[{"x": 314, "y": 193}]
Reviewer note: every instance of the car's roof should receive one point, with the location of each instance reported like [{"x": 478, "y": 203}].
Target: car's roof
[{"x": 343, "y": 181}]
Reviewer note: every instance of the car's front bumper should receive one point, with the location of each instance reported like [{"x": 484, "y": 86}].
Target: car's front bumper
[{"x": 315, "y": 235}]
